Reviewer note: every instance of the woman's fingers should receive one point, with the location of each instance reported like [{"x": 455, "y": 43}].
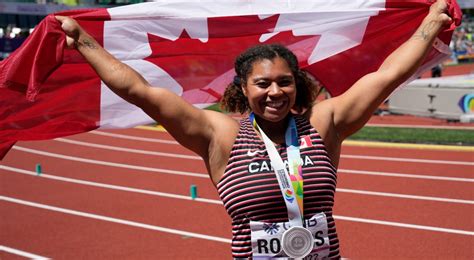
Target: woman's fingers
[
  {"x": 439, "y": 11},
  {"x": 69, "y": 25},
  {"x": 71, "y": 28}
]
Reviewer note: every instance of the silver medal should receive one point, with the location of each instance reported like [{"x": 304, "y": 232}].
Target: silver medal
[{"x": 297, "y": 242}]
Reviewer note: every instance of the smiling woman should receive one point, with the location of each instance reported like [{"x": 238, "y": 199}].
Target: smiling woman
[
  {"x": 271, "y": 89},
  {"x": 261, "y": 165},
  {"x": 234, "y": 99},
  {"x": 270, "y": 84}
]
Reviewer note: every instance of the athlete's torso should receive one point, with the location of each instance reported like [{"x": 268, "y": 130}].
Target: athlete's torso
[{"x": 250, "y": 191}]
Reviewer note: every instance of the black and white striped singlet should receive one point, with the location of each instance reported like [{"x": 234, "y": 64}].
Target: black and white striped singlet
[{"x": 249, "y": 188}]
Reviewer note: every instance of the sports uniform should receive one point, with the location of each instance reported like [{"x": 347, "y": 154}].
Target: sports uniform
[{"x": 250, "y": 192}]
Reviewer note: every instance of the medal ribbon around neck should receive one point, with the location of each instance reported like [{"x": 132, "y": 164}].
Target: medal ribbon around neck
[{"x": 292, "y": 194}]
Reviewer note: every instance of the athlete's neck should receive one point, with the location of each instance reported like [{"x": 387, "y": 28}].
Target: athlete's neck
[{"x": 274, "y": 130}]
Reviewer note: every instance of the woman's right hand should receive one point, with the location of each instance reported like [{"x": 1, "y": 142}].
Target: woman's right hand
[{"x": 72, "y": 29}]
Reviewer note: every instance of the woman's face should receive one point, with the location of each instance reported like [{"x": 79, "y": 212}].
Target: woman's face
[{"x": 270, "y": 89}]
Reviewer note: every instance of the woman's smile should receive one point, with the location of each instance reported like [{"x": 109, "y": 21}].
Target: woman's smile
[
  {"x": 275, "y": 104},
  {"x": 271, "y": 89}
]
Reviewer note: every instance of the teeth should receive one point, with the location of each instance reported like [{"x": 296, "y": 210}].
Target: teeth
[{"x": 275, "y": 104}]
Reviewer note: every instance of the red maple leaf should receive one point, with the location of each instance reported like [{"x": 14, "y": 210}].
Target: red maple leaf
[{"x": 194, "y": 64}]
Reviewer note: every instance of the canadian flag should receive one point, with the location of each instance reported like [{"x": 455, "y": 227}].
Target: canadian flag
[{"x": 189, "y": 47}]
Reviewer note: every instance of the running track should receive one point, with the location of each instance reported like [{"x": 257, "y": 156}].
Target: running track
[{"x": 125, "y": 194}]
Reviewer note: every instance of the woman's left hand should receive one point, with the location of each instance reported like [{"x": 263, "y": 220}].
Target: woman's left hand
[{"x": 439, "y": 13}]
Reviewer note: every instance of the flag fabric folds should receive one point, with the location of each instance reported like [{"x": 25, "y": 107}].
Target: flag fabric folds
[{"x": 189, "y": 47}]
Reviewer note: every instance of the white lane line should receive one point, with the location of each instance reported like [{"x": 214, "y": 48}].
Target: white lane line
[
  {"x": 350, "y": 156},
  {"x": 404, "y": 225},
  {"x": 406, "y": 175},
  {"x": 115, "y": 220},
  {"x": 178, "y": 196},
  {"x": 135, "y": 167},
  {"x": 395, "y": 159},
  {"x": 109, "y": 186},
  {"x": 120, "y": 165},
  {"x": 123, "y": 149},
  {"x": 129, "y": 137},
  {"x": 191, "y": 157},
  {"x": 405, "y": 196},
  {"x": 220, "y": 239},
  {"x": 21, "y": 253}
]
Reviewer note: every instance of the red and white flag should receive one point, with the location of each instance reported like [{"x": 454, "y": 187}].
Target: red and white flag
[{"x": 189, "y": 47}]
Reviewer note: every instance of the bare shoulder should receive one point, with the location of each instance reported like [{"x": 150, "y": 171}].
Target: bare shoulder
[
  {"x": 225, "y": 129},
  {"x": 322, "y": 119}
]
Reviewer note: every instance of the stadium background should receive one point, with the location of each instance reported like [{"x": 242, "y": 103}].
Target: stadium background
[{"x": 108, "y": 174}]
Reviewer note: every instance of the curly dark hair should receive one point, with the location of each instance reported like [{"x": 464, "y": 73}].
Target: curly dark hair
[{"x": 234, "y": 99}]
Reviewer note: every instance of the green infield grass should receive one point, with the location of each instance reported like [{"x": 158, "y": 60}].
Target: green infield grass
[
  {"x": 415, "y": 135},
  {"x": 408, "y": 135}
]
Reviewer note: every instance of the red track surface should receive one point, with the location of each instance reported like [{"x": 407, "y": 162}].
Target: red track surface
[{"x": 65, "y": 235}]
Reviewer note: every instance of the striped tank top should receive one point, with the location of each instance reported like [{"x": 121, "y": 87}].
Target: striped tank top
[{"x": 249, "y": 188}]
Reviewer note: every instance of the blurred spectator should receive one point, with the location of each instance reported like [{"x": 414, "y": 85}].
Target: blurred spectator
[
  {"x": 462, "y": 43},
  {"x": 68, "y": 2},
  {"x": 437, "y": 71}
]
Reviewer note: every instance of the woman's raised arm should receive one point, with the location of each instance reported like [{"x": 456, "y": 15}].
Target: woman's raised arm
[
  {"x": 192, "y": 127},
  {"x": 351, "y": 110}
]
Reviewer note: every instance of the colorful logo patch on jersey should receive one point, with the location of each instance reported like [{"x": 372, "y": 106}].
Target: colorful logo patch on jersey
[
  {"x": 289, "y": 196},
  {"x": 466, "y": 103}
]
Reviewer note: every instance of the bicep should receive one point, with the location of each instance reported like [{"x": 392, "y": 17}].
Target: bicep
[
  {"x": 354, "y": 108},
  {"x": 190, "y": 126}
]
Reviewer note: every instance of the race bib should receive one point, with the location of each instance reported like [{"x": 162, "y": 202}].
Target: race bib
[{"x": 267, "y": 237}]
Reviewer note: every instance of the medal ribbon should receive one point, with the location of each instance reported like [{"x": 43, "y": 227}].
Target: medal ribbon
[{"x": 292, "y": 194}]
